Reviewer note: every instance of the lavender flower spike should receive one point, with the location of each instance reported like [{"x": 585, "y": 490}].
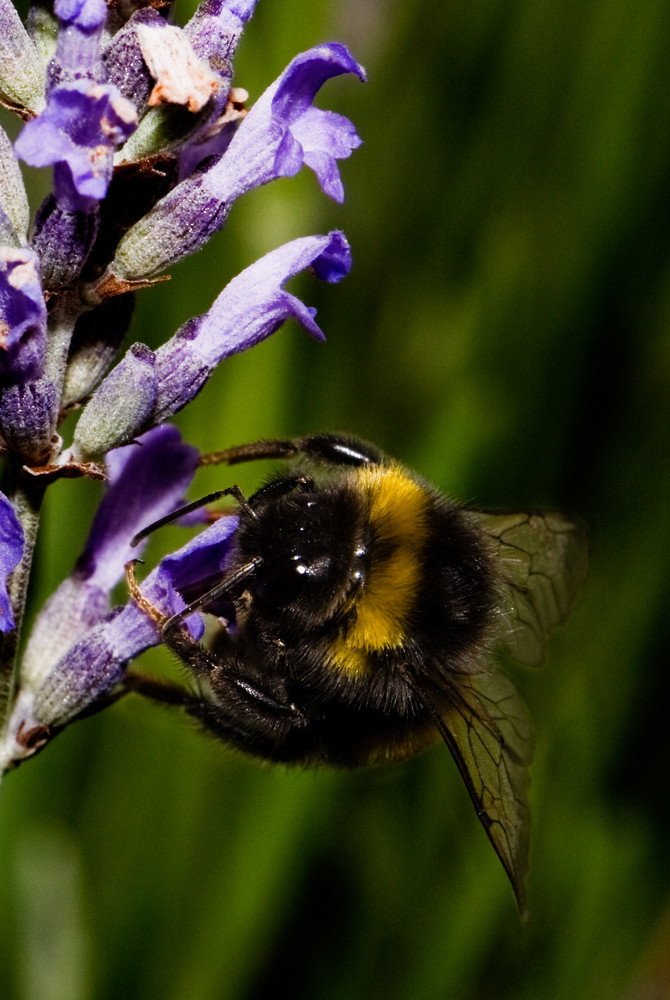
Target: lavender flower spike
[
  {"x": 280, "y": 134},
  {"x": 11, "y": 550},
  {"x": 150, "y": 145},
  {"x": 78, "y": 133}
]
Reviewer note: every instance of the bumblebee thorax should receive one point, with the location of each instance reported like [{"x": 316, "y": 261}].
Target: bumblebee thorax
[{"x": 386, "y": 605}]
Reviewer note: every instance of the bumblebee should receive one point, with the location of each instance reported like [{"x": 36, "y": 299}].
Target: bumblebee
[{"x": 367, "y": 607}]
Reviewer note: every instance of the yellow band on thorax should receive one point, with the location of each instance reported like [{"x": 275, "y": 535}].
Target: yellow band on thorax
[{"x": 398, "y": 509}]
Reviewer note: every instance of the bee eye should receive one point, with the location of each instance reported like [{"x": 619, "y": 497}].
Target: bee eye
[{"x": 279, "y": 583}]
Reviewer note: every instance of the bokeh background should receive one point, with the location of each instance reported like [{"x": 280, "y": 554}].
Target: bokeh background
[{"x": 506, "y": 331}]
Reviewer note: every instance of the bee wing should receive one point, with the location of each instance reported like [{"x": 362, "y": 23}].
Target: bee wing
[
  {"x": 543, "y": 559},
  {"x": 487, "y": 728}
]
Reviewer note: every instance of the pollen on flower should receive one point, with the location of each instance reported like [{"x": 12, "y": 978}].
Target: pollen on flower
[
  {"x": 181, "y": 78},
  {"x": 234, "y": 111},
  {"x": 122, "y": 108},
  {"x": 97, "y": 158},
  {"x": 22, "y": 272},
  {"x": 238, "y": 95},
  {"x": 124, "y": 111}
]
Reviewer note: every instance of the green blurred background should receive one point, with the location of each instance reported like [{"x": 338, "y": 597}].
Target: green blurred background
[{"x": 506, "y": 331}]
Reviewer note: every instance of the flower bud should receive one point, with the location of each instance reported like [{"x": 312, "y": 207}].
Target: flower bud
[
  {"x": 14, "y": 213},
  {"x": 119, "y": 407},
  {"x": 21, "y": 70}
]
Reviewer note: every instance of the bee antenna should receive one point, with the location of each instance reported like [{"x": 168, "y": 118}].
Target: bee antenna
[{"x": 233, "y": 491}]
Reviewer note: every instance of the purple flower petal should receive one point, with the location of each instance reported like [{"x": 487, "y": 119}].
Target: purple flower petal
[
  {"x": 11, "y": 550},
  {"x": 182, "y": 576},
  {"x": 95, "y": 664},
  {"x": 281, "y": 132},
  {"x": 148, "y": 479},
  {"x": 78, "y": 132},
  {"x": 92, "y": 666},
  {"x": 325, "y": 138},
  {"x": 23, "y": 316},
  {"x": 252, "y": 307},
  {"x": 186, "y": 574},
  {"x": 193, "y": 567},
  {"x": 87, "y": 15},
  {"x": 296, "y": 88}
]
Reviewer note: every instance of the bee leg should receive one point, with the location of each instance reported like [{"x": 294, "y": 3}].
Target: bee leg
[
  {"x": 231, "y": 688},
  {"x": 327, "y": 449},
  {"x": 250, "y": 727},
  {"x": 281, "y": 487},
  {"x": 169, "y": 693},
  {"x": 178, "y": 641},
  {"x": 241, "y": 715},
  {"x": 150, "y": 610},
  {"x": 338, "y": 449},
  {"x": 157, "y": 689}
]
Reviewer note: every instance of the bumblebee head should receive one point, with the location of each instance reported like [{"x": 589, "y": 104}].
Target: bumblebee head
[{"x": 310, "y": 551}]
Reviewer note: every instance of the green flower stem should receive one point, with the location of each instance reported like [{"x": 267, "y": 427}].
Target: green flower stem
[{"x": 62, "y": 321}]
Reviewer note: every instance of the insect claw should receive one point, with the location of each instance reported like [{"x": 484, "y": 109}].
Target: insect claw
[{"x": 143, "y": 604}]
